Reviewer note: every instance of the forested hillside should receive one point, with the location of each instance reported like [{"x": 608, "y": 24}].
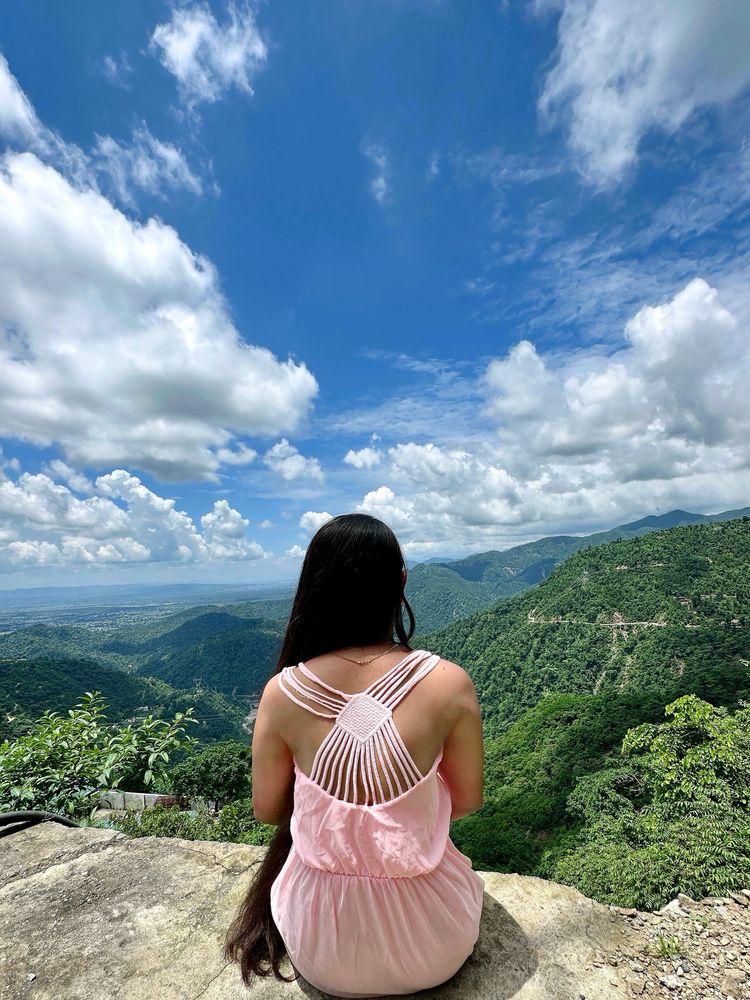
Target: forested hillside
[
  {"x": 30, "y": 687},
  {"x": 442, "y": 593},
  {"x": 620, "y": 617},
  {"x": 221, "y": 648},
  {"x": 564, "y": 671},
  {"x": 233, "y": 656}
]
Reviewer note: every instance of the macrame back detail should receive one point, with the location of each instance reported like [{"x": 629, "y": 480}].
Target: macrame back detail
[{"x": 364, "y": 749}]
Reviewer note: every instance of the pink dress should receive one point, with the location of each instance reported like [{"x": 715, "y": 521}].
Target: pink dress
[{"x": 374, "y": 898}]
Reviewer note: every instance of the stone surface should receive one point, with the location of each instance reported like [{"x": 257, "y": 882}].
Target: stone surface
[{"x": 88, "y": 914}]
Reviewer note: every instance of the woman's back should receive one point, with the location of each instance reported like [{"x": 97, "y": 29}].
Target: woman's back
[
  {"x": 423, "y": 700},
  {"x": 361, "y": 765},
  {"x": 374, "y": 898}
]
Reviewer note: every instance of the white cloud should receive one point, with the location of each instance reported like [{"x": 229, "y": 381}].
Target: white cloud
[
  {"x": 42, "y": 522},
  {"x": 286, "y": 461},
  {"x": 379, "y": 184},
  {"x": 589, "y": 439},
  {"x": 240, "y": 454},
  {"x": 677, "y": 382},
  {"x": 117, "y": 343},
  {"x": 145, "y": 164},
  {"x": 311, "y": 520},
  {"x": 623, "y": 69},
  {"x": 208, "y": 59},
  {"x": 62, "y": 471},
  {"x": 296, "y": 552},
  {"x": 17, "y": 116},
  {"x": 117, "y": 69},
  {"x": 8, "y": 463},
  {"x": 265, "y": 523},
  {"x": 365, "y": 458},
  {"x": 20, "y": 125}
]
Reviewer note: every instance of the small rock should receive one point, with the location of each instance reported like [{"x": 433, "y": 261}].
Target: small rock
[
  {"x": 732, "y": 981},
  {"x": 671, "y": 982},
  {"x": 673, "y": 907},
  {"x": 30, "y": 977}
]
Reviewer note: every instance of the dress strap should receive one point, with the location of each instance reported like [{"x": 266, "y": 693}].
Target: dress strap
[
  {"x": 363, "y": 751},
  {"x": 395, "y": 684},
  {"x": 289, "y": 683}
]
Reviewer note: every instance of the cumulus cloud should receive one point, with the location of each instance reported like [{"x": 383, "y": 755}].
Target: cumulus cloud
[
  {"x": 296, "y": 552},
  {"x": 62, "y": 471},
  {"x": 43, "y": 522},
  {"x": 591, "y": 438},
  {"x": 311, "y": 520},
  {"x": 286, "y": 461},
  {"x": 677, "y": 384},
  {"x": 365, "y": 458},
  {"x": 207, "y": 58},
  {"x": 116, "y": 342},
  {"x": 623, "y": 69}
]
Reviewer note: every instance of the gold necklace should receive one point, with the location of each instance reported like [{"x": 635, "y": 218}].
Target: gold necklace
[{"x": 368, "y": 659}]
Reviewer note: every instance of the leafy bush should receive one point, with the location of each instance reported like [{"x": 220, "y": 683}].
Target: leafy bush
[
  {"x": 235, "y": 824},
  {"x": 674, "y": 818},
  {"x": 166, "y": 822},
  {"x": 63, "y": 764},
  {"x": 220, "y": 773}
]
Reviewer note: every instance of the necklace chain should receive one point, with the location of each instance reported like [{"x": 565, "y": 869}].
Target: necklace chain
[{"x": 367, "y": 659}]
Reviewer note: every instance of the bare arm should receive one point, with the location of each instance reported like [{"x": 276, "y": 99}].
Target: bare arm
[
  {"x": 462, "y": 766},
  {"x": 273, "y": 767}
]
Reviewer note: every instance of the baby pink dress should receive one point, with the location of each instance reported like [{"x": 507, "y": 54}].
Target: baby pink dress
[{"x": 374, "y": 898}]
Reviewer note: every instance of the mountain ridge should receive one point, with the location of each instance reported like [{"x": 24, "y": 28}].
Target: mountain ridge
[{"x": 444, "y": 592}]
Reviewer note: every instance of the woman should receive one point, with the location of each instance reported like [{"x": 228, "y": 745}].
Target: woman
[{"x": 363, "y": 751}]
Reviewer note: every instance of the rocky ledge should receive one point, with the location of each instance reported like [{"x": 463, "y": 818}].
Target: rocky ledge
[{"x": 89, "y": 914}]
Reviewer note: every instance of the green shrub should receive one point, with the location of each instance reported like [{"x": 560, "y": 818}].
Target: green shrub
[
  {"x": 675, "y": 818},
  {"x": 235, "y": 824},
  {"x": 166, "y": 822},
  {"x": 65, "y": 762},
  {"x": 220, "y": 773}
]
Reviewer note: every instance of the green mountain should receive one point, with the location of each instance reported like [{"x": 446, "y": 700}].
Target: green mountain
[
  {"x": 444, "y": 592},
  {"x": 563, "y": 671},
  {"x": 29, "y": 687},
  {"x": 232, "y": 656},
  {"x": 216, "y": 647},
  {"x": 616, "y": 617}
]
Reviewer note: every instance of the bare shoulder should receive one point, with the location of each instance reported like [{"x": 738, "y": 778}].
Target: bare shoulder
[
  {"x": 273, "y": 702},
  {"x": 454, "y": 681}
]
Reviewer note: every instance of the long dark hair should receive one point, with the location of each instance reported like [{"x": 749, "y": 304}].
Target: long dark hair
[{"x": 350, "y": 593}]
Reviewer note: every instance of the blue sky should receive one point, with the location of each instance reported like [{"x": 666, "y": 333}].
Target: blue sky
[{"x": 478, "y": 269}]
